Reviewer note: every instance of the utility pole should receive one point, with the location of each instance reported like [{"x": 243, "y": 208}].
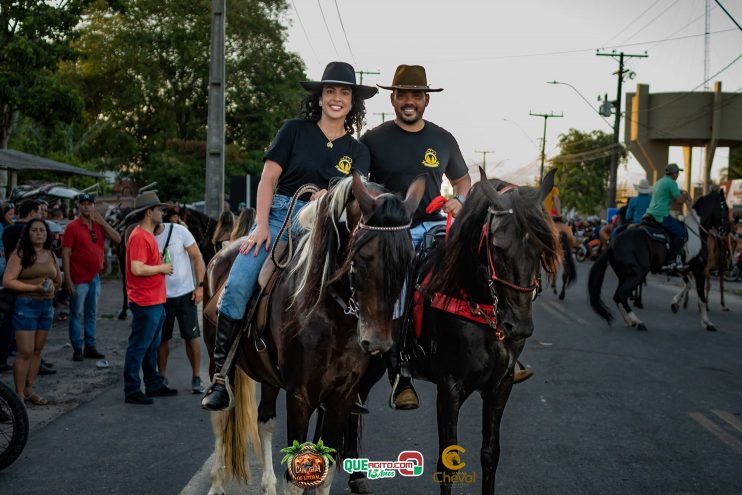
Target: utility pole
[
  {"x": 484, "y": 158},
  {"x": 383, "y": 115},
  {"x": 617, "y": 122},
  {"x": 546, "y": 117},
  {"x": 362, "y": 72},
  {"x": 214, "y": 197}
]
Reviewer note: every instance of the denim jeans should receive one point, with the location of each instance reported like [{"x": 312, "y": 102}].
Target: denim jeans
[
  {"x": 418, "y": 234},
  {"x": 674, "y": 227},
  {"x": 84, "y": 301},
  {"x": 146, "y": 328},
  {"x": 243, "y": 276}
]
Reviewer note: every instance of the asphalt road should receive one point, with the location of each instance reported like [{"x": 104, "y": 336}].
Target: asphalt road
[{"x": 609, "y": 410}]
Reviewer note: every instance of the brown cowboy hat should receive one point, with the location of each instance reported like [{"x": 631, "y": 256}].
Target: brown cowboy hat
[
  {"x": 145, "y": 201},
  {"x": 411, "y": 77},
  {"x": 343, "y": 74}
]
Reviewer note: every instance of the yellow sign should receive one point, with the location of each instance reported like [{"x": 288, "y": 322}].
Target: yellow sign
[
  {"x": 431, "y": 158},
  {"x": 345, "y": 164},
  {"x": 451, "y": 458}
]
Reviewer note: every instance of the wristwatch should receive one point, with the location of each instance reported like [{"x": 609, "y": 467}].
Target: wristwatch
[
  {"x": 201, "y": 284},
  {"x": 460, "y": 198}
]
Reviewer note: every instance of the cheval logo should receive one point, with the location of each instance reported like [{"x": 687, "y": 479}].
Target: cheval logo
[
  {"x": 451, "y": 459},
  {"x": 308, "y": 464},
  {"x": 431, "y": 158},
  {"x": 345, "y": 164}
]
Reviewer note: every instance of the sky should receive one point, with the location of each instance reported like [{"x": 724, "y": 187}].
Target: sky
[{"x": 493, "y": 59}]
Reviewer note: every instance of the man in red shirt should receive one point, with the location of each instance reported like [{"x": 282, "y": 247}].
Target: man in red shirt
[
  {"x": 82, "y": 257},
  {"x": 145, "y": 287}
]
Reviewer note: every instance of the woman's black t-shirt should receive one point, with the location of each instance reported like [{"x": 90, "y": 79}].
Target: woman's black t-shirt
[{"x": 300, "y": 148}]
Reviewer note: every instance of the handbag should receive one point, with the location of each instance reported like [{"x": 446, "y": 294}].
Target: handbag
[{"x": 7, "y": 300}]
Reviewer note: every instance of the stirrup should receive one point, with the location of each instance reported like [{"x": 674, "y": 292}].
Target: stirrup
[
  {"x": 260, "y": 344},
  {"x": 224, "y": 380}
]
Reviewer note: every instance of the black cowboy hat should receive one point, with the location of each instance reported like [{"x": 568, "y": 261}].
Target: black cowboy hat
[
  {"x": 342, "y": 74},
  {"x": 411, "y": 77}
]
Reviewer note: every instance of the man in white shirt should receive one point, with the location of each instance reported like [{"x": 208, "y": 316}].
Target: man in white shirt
[{"x": 178, "y": 247}]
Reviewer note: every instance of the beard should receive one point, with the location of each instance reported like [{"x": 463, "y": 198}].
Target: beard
[{"x": 409, "y": 119}]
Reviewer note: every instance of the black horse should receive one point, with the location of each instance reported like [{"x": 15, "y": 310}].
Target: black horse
[
  {"x": 491, "y": 263},
  {"x": 633, "y": 255}
]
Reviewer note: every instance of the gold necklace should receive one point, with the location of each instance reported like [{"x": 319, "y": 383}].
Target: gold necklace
[{"x": 330, "y": 140}]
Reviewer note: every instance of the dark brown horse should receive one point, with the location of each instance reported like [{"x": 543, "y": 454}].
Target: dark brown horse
[
  {"x": 330, "y": 311},
  {"x": 498, "y": 245}
]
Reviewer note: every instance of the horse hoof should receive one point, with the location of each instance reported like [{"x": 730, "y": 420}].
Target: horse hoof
[
  {"x": 711, "y": 328},
  {"x": 561, "y": 297},
  {"x": 360, "y": 485},
  {"x": 122, "y": 315},
  {"x": 641, "y": 327},
  {"x": 638, "y": 305},
  {"x": 725, "y": 308},
  {"x": 674, "y": 308}
]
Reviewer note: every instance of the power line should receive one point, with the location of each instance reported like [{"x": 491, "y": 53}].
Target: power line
[
  {"x": 632, "y": 22},
  {"x": 652, "y": 20},
  {"x": 344, "y": 33},
  {"x": 337, "y": 54},
  {"x": 728, "y": 14},
  {"x": 304, "y": 30},
  {"x": 546, "y": 117}
]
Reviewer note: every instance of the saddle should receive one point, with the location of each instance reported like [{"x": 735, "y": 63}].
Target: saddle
[{"x": 654, "y": 230}]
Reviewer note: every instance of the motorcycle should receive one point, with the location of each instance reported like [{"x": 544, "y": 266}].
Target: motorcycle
[{"x": 734, "y": 273}]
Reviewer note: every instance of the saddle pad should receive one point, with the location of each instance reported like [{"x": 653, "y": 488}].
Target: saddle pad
[
  {"x": 269, "y": 267},
  {"x": 656, "y": 234}
]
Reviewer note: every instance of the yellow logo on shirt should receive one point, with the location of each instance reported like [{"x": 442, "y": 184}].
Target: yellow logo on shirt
[
  {"x": 345, "y": 164},
  {"x": 431, "y": 158}
]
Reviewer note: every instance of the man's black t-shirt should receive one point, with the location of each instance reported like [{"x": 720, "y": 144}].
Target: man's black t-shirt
[
  {"x": 399, "y": 156},
  {"x": 300, "y": 148}
]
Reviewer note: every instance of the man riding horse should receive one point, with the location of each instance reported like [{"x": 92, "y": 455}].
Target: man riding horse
[{"x": 666, "y": 194}]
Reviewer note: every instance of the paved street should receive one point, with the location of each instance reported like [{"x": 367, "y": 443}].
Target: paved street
[{"x": 609, "y": 410}]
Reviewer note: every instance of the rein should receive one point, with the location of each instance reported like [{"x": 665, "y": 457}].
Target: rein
[{"x": 307, "y": 188}]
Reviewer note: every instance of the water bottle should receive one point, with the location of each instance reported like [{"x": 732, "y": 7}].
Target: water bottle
[{"x": 166, "y": 258}]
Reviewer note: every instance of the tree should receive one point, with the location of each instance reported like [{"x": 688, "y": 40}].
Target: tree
[
  {"x": 145, "y": 81},
  {"x": 584, "y": 169}
]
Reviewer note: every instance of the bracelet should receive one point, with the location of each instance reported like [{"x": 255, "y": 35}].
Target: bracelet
[{"x": 460, "y": 198}]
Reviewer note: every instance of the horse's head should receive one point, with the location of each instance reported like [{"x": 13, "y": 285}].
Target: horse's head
[
  {"x": 499, "y": 243},
  {"x": 362, "y": 233},
  {"x": 713, "y": 212}
]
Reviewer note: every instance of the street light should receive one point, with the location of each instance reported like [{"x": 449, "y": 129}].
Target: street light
[{"x": 583, "y": 99}]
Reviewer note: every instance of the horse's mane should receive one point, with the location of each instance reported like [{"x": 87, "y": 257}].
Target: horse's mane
[
  {"x": 705, "y": 205},
  {"x": 459, "y": 264},
  {"x": 322, "y": 255}
]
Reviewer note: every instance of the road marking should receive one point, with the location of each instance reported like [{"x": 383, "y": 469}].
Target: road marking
[
  {"x": 558, "y": 315},
  {"x": 559, "y": 308},
  {"x": 714, "y": 429},
  {"x": 195, "y": 486},
  {"x": 733, "y": 421}
]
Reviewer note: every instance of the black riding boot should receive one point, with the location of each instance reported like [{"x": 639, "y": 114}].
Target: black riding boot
[
  {"x": 403, "y": 395},
  {"x": 674, "y": 258},
  {"x": 219, "y": 396}
]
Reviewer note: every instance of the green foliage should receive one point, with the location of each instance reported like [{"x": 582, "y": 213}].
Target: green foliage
[{"x": 584, "y": 169}]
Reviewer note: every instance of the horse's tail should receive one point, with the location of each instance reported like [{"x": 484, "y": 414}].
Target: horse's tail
[
  {"x": 570, "y": 269},
  {"x": 239, "y": 428},
  {"x": 595, "y": 284}
]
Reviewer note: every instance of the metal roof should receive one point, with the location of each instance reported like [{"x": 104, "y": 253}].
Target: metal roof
[{"x": 18, "y": 160}]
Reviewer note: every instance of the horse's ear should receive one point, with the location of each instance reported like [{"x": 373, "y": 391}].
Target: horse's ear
[
  {"x": 414, "y": 194},
  {"x": 365, "y": 200},
  {"x": 547, "y": 184},
  {"x": 482, "y": 175},
  {"x": 490, "y": 191}
]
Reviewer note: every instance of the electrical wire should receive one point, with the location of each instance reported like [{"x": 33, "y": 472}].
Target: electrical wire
[
  {"x": 652, "y": 20},
  {"x": 304, "y": 30},
  {"x": 329, "y": 33},
  {"x": 632, "y": 22},
  {"x": 345, "y": 34}
]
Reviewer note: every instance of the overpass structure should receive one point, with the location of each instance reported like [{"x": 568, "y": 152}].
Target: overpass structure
[{"x": 707, "y": 120}]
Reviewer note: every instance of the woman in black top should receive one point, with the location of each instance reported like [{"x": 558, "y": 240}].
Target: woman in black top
[{"x": 313, "y": 149}]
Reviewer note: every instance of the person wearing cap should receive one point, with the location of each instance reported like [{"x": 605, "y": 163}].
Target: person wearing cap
[
  {"x": 83, "y": 254},
  {"x": 145, "y": 288},
  {"x": 667, "y": 194},
  {"x": 401, "y": 150},
  {"x": 313, "y": 149}
]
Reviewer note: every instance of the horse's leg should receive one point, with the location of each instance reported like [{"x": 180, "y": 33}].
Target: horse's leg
[
  {"x": 681, "y": 296},
  {"x": 722, "y": 270},
  {"x": 621, "y": 297},
  {"x": 700, "y": 289},
  {"x": 297, "y": 425},
  {"x": 357, "y": 481},
  {"x": 565, "y": 275},
  {"x": 450, "y": 396},
  {"x": 553, "y": 284},
  {"x": 218, "y": 469},
  {"x": 331, "y": 427},
  {"x": 492, "y": 409},
  {"x": 125, "y": 306},
  {"x": 266, "y": 427},
  {"x": 638, "y": 292}
]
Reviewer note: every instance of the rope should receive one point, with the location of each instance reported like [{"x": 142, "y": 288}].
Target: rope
[{"x": 307, "y": 188}]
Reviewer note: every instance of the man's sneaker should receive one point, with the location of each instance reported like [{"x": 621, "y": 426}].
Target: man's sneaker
[
  {"x": 163, "y": 391},
  {"x": 47, "y": 363},
  {"x": 92, "y": 353},
  {"x": 196, "y": 385},
  {"x": 138, "y": 398},
  {"x": 43, "y": 370},
  {"x": 77, "y": 355}
]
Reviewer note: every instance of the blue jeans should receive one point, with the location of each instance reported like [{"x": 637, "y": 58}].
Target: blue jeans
[
  {"x": 85, "y": 301},
  {"x": 672, "y": 225},
  {"x": 243, "y": 276},
  {"x": 146, "y": 329},
  {"x": 418, "y": 234}
]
